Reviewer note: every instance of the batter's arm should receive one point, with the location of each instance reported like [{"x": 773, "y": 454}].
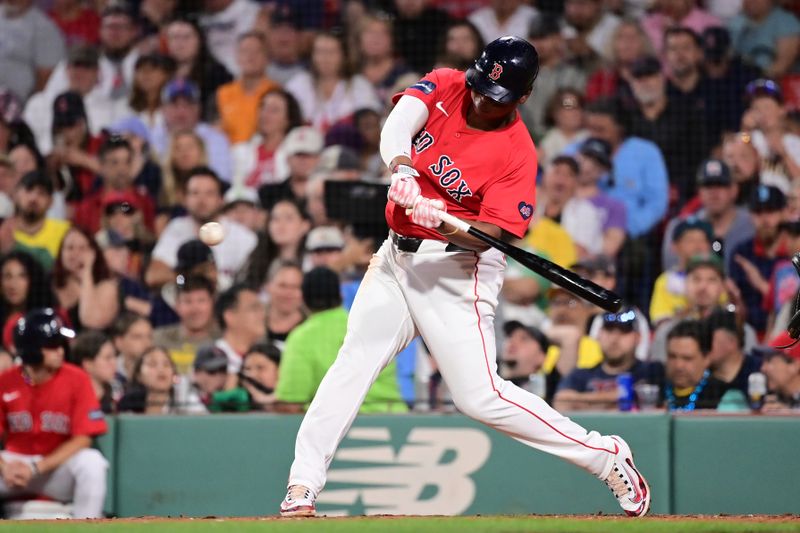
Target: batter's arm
[
  {"x": 403, "y": 123},
  {"x": 467, "y": 241}
]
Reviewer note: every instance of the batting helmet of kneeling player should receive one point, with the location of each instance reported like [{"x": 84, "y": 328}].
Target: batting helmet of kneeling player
[
  {"x": 504, "y": 72},
  {"x": 40, "y": 338}
]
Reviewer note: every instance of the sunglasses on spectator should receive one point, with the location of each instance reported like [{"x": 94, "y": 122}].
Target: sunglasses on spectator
[
  {"x": 624, "y": 321},
  {"x": 126, "y": 208},
  {"x": 764, "y": 87}
]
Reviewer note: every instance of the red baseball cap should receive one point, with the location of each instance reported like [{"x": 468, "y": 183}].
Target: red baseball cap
[{"x": 785, "y": 340}]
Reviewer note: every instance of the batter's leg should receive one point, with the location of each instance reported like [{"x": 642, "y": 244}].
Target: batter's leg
[
  {"x": 379, "y": 326},
  {"x": 456, "y": 319}
]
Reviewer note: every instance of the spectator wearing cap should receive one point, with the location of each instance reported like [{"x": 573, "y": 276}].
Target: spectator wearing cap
[
  {"x": 782, "y": 367},
  {"x": 676, "y": 13},
  {"x": 689, "y": 383},
  {"x": 203, "y": 201},
  {"x": 257, "y": 381},
  {"x": 243, "y": 206},
  {"x": 194, "y": 305},
  {"x": 74, "y": 155},
  {"x": 79, "y": 24},
  {"x": 324, "y": 245},
  {"x": 375, "y": 54},
  {"x": 565, "y": 310},
  {"x": 261, "y": 159},
  {"x": 717, "y": 193},
  {"x": 33, "y": 47},
  {"x": 242, "y": 318},
  {"x": 728, "y": 361},
  {"x": 94, "y": 352},
  {"x": 705, "y": 289},
  {"x": 284, "y": 42},
  {"x": 151, "y": 73},
  {"x": 504, "y": 18},
  {"x": 590, "y": 27},
  {"x": 182, "y": 107},
  {"x": 210, "y": 372},
  {"x": 522, "y": 359},
  {"x": 330, "y": 92},
  {"x": 30, "y": 228},
  {"x": 596, "y": 388},
  {"x": 726, "y": 77},
  {"x": 556, "y": 72},
  {"x": 340, "y": 163},
  {"x": 676, "y": 127},
  {"x": 186, "y": 44},
  {"x": 765, "y": 122},
  {"x": 767, "y": 36},
  {"x": 691, "y": 237},
  {"x": 311, "y": 352},
  {"x": 116, "y": 172},
  {"x": 223, "y": 21},
  {"x": 82, "y": 78},
  {"x": 595, "y": 161},
  {"x": 147, "y": 173},
  {"x": 238, "y": 101},
  {"x": 302, "y": 146},
  {"x": 754, "y": 260},
  {"x": 118, "y": 54}
]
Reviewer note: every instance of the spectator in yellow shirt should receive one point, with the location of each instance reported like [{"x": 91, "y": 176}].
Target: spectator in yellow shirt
[
  {"x": 238, "y": 101},
  {"x": 692, "y": 237}
]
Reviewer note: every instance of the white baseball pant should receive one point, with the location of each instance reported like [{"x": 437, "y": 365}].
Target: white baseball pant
[
  {"x": 81, "y": 480},
  {"x": 449, "y": 298}
]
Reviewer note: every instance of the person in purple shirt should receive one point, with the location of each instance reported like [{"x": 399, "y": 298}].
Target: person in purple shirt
[{"x": 594, "y": 159}]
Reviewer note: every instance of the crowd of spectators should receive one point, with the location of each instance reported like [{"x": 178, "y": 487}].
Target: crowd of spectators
[{"x": 668, "y": 139}]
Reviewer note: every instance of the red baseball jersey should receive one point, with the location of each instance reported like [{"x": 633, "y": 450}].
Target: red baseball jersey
[
  {"x": 488, "y": 176},
  {"x": 37, "y": 419}
]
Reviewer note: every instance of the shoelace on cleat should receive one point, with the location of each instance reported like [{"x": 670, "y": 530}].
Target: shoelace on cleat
[
  {"x": 618, "y": 484},
  {"x": 298, "y": 492}
]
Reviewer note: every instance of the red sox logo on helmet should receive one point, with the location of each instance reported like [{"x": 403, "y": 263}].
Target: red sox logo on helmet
[{"x": 496, "y": 71}]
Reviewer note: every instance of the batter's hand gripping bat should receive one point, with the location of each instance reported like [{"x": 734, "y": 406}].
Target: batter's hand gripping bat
[{"x": 562, "y": 277}]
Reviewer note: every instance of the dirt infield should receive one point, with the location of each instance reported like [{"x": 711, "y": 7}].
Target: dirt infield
[{"x": 420, "y": 524}]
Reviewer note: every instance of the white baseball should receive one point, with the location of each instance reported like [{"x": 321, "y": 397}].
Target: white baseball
[{"x": 212, "y": 233}]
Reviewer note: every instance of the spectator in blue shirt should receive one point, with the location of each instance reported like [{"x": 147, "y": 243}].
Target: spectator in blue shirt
[{"x": 767, "y": 36}]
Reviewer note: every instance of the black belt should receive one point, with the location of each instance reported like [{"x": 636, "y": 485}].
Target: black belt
[{"x": 412, "y": 244}]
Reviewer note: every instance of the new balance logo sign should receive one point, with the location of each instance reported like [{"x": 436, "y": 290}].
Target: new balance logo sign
[{"x": 429, "y": 474}]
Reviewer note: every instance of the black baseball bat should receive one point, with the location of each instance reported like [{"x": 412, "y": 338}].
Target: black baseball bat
[{"x": 577, "y": 285}]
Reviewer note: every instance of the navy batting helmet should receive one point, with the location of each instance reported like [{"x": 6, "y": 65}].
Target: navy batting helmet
[
  {"x": 506, "y": 69},
  {"x": 40, "y": 328}
]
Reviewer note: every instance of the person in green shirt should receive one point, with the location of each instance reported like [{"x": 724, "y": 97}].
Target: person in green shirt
[{"x": 312, "y": 346}]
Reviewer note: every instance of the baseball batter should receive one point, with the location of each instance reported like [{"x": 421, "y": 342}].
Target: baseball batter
[
  {"x": 454, "y": 142},
  {"x": 48, "y": 415}
]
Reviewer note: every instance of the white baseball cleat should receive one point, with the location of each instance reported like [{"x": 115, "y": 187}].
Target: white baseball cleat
[
  {"x": 628, "y": 485},
  {"x": 299, "y": 501}
]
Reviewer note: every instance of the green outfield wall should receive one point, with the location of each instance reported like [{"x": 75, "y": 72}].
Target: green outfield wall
[{"x": 236, "y": 465}]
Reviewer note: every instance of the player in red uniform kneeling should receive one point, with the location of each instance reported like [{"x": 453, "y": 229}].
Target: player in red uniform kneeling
[{"x": 48, "y": 416}]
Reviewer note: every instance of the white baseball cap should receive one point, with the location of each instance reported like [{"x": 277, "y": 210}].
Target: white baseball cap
[
  {"x": 234, "y": 195},
  {"x": 324, "y": 238},
  {"x": 303, "y": 140}
]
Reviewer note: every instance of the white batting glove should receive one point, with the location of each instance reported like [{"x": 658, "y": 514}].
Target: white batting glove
[
  {"x": 426, "y": 212},
  {"x": 404, "y": 189}
]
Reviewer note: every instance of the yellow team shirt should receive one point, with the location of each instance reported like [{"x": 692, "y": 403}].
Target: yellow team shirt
[
  {"x": 238, "y": 110},
  {"x": 546, "y": 235},
  {"x": 589, "y": 355},
  {"x": 43, "y": 245},
  {"x": 669, "y": 296}
]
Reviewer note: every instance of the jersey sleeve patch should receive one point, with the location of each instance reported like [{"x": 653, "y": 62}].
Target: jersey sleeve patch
[
  {"x": 96, "y": 414},
  {"x": 424, "y": 86},
  {"x": 525, "y": 210}
]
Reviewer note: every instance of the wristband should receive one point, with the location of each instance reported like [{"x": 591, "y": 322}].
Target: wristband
[
  {"x": 448, "y": 234},
  {"x": 405, "y": 169}
]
